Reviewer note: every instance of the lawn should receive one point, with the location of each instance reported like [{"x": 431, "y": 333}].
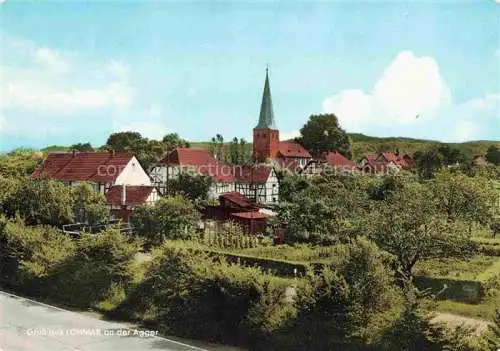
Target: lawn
[{"x": 456, "y": 268}]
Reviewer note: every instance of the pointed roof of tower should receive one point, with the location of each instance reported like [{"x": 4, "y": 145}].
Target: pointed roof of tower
[{"x": 266, "y": 118}]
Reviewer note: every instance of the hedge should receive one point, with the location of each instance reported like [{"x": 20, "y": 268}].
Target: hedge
[{"x": 471, "y": 291}]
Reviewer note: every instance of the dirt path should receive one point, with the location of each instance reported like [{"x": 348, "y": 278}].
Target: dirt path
[{"x": 453, "y": 320}]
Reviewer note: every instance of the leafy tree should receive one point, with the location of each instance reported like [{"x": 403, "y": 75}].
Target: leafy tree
[
  {"x": 322, "y": 133},
  {"x": 291, "y": 185},
  {"x": 342, "y": 308},
  {"x": 450, "y": 156},
  {"x": 8, "y": 187},
  {"x": 173, "y": 141},
  {"x": 123, "y": 141},
  {"x": 217, "y": 148},
  {"x": 493, "y": 155},
  {"x": 89, "y": 206},
  {"x": 409, "y": 225},
  {"x": 324, "y": 214},
  {"x": 82, "y": 147},
  {"x": 147, "y": 151},
  {"x": 169, "y": 218},
  {"x": 415, "y": 331},
  {"x": 427, "y": 162},
  {"x": 462, "y": 198},
  {"x": 19, "y": 163},
  {"x": 194, "y": 187},
  {"x": 238, "y": 152},
  {"x": 42, "y": 202},
  {"x": 493, "y": 334}
]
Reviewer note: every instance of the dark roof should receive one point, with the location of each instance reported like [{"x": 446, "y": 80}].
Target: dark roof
[
  {"x": 292, "y": 149},
  {"x": 238, "y": 199},
  {"x": 252, "y": 174},
  {"x": 83, "y": 166},
  {"x": 266, "y": 117},
  {"x": 135, "y": 195}
]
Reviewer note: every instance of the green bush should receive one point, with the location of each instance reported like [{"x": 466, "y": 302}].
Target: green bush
[
  {"x": 345, "y": 307},
  {"x": 29, "y": 256},
  {"x": 101, "y": 266},
  {"x": 194, "y": 295}
]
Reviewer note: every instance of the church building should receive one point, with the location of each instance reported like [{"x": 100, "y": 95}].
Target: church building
[{"x": 267, "y": 146}]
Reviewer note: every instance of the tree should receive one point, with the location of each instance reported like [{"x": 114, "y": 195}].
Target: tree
[
  {"x": 462, "y": 198},
  {"x": 42, "y": 202},
  {"x": 427, "y": 162},
  {"x": 324, "y": 214},
  {"x": 89, "y": 206},
  {"x": 147, "y": 151},
  {"x": 291, "y": 185},
  {"x": 415, "y": 331},
  {"x": 82, "y": 147},
  {"x": 409, "y": 225},
  {"x": 193, "y": 187},
  {"x": 493, "y": 333},
  {"x": 123, "y": 141},
  {"x": 322, "y": 133},
  {"x": 217, "y": 148},
  {"x": 173, "y": 141},
  {"x": 338, "y": 308},
  {"x": 169, "y": 218},
  {"x": 450, "y": 156},
  {"x": 493, "y": 155}
]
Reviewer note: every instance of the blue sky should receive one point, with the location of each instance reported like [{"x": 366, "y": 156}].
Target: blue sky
[{"x": 78, "y": 71}]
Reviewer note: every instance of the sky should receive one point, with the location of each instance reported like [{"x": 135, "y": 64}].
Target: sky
[{"x": 78, "y": 71}]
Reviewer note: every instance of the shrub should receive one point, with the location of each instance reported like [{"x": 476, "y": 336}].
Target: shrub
[
  {"x": 194, "y": 295},
  {"x": 30, "y": 255},
  {"x": 344, "y": 307},
  {"x": 102, "y": 265}
]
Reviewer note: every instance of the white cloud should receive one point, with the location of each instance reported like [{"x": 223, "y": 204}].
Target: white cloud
[
  {"x": 410, "y": 86},
  {"x": 463, "y": 131},
  {"x": 151, "y": 130},
  {"x": 51, "y": 60},
  {"x": 289, "y": 135},
  {"x": 46, "y": 82}
]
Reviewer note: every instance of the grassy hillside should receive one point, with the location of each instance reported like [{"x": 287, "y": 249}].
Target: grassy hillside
[{"x": 364, "y": 144}]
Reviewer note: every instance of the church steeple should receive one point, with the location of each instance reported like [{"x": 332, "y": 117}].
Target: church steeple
[
  {"x": 266, "y": 118},
  {"x": 266, "y": 136}
]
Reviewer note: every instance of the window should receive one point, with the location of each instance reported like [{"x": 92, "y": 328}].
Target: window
[{"x": 274, "y": 199}]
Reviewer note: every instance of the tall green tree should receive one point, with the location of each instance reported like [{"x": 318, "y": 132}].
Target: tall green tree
[
  {"x": 173, "y": 141},
  {"x": 493, "y": 155},
  {"x": 427, "y": 162},
  {"x": 42, "y": 202},
  {"x": 193, "y": 187},
  {"x": 409, "y": 225},
  {"x": 322, "y": 133},
  {"x": 89, "y": 206},
  {"x": 170, "y": 218}
]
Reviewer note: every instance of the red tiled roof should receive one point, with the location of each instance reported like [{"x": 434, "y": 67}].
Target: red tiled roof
[
  {"x": 336, "y": 159},
  {"x": 252, "y": 174},
  {"x": 390, "y": 156},
  {"x": 188, "y": 157},
  {"x": 249, "y": 215},
  {"x": 238, "y": 199},
  {"x": 202, "y": 162},
  {"x": 135, "y": 195},
  {"x": 371, "y": 157},
  {"x": 83, "y": 166},
  {"x": 292, "y": 149}
]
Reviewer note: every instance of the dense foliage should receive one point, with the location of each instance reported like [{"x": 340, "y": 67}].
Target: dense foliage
[
  {"x": 193, "y": 187},
  {"x": 322, "y": 133},
  {"x": 169, "y": 218}
]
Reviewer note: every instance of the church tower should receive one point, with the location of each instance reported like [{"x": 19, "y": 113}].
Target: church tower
[{"x": 266, "y": 136}]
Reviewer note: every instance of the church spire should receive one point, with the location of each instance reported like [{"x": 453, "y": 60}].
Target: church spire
[{"x": 266, "y": 118}]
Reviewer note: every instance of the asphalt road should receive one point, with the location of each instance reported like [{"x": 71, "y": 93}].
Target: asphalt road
[{"x": 27, "y": 325}]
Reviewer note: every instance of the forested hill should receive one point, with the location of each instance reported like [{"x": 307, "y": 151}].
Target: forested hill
[{"x": 362, "y": 144}]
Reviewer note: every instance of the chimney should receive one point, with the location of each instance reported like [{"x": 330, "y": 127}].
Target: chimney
[
  {"x": 124, "y": 195},
  {"x": 74, "y": 153}
]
